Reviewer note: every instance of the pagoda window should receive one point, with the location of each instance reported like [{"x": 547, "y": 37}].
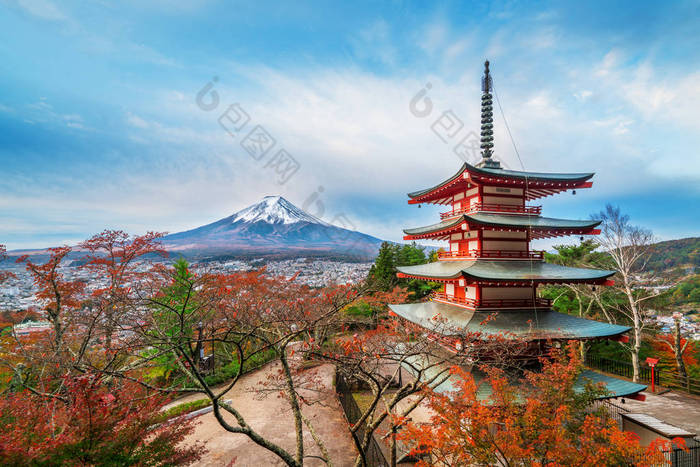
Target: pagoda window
[
  {"x": 506, "y": 293},
  {"x": 507, "y": 200},
  {"x": 450, "y": 290}
]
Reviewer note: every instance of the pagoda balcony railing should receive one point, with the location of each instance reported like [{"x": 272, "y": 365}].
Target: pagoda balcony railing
[
  {"x": 504, "y": 208},
  {"x": 493, "y": 303},
  {"x": 499, "y": 254}
]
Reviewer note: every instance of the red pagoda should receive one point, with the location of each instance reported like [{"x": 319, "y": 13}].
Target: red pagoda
[{"x": 489, "y": 273}]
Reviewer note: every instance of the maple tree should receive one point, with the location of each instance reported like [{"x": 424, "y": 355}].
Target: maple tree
[
  {"x": 240, "y": 316},
  {"x": 541, "y": 420},
  {"x": 675, "y": 348},
  {"x": 113, "y": 259},
  {"x": 92, "y": 424},
  {"x": 51, "y": 354},
  {"x": 394, "y": 362}
]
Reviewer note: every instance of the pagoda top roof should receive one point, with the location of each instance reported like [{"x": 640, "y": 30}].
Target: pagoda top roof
[
  {"x": 500, "y": 173},
  {"x": 505, "y": 271},
  {"x": 505, "y": 220},
  {"x": 452, "y": 320}
]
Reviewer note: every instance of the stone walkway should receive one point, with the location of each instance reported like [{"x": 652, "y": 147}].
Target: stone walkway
[
  {"x": 271, "y": 416},
  {"x": 675, "y": 408}
]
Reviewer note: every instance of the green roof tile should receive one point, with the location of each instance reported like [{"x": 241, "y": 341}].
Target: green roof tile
[
  {"x": 451, "y": 320},
  {"x": 505, "y": 270},
  {"x": 505, "y": 220},
  {"x": 539, "y": 176},
  {"x": 616, "y": 387}
]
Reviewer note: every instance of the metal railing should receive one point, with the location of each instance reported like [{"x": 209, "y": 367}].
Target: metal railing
[
  {"x": 618, "y": 367},
  {"x": 688, "y": 457},
  {"x": 493, "y": 303},
  {"x": 510, "y": 254},
  {"x": 486, "y": 207},
  {"x": 666, "y": 378},
  {"x": 373, "y": 456},
  {"x": 673, "y": 379}
]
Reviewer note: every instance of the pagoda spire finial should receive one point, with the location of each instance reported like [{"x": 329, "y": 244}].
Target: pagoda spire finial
[{"x": 487, "y": 120}]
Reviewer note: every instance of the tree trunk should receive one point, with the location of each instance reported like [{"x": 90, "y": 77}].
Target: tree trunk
[
  {"x": 678, "y": 352},
  {"x": 294, "y": 402},
  {"x": 637, "y": 325}
]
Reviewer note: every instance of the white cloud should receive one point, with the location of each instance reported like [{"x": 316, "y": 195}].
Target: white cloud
[
  {"x": 136, "y": 121},
  {"x": 43, "y": 9},
  {"x": 374, "y": 42},
  {"x": 583, "y": 95}
]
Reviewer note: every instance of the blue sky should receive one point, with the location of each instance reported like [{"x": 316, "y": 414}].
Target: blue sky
[{"x": 100, "y": 125}]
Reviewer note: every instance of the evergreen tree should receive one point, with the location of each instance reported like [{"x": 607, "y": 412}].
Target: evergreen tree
[{"x": 382, "y": 274}]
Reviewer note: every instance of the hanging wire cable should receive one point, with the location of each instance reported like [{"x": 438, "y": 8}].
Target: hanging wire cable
[{"x": 527, "y": 190}]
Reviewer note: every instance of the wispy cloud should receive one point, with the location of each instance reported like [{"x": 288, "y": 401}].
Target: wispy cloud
[{"x": 43, "y": 9}]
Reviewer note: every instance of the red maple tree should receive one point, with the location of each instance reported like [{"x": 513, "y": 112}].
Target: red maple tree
[
  {"x": 113, "y": 261},
  {"x": 542, "y": 420},
  {"x": 92, "y": 424}
]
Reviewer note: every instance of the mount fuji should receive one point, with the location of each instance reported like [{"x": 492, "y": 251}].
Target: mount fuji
[{"x": 273, "y": 227}]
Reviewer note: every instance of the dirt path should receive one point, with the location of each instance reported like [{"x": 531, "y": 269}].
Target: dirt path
[{"x": 271, "y": 416}]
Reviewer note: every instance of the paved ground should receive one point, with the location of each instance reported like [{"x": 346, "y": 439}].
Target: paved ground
[
  {"x": 675, "y": 408},
  {"x": 271, "y": 416}
]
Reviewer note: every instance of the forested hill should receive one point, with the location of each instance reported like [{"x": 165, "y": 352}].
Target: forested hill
[{"x": 675, "y": 254}]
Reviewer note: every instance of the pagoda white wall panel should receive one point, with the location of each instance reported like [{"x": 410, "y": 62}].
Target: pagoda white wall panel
[
  {"x": 495, "y": 293},
  {"x": 510, "y": 201},
  {"x": 504, "y": 234},
  {"x": 457, "y": 236},
  {"x": 450, "y": 289},
  {"x": 510, "y": 246},
  {"x": 473, "y": 245}
]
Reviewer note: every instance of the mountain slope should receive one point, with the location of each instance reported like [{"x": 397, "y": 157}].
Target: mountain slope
[
  {"x": 273, "y": 227},
  {"x": 669, "y": 254}
]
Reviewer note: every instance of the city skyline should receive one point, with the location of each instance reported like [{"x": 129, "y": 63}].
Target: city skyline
[{"x": 107, "y": 117}]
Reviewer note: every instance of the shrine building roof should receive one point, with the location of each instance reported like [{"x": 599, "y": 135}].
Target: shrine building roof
[
  {"x": 530, "y": 324},
  {"x": 505, "y": 271},
  {"x": 505, "y": 221}
]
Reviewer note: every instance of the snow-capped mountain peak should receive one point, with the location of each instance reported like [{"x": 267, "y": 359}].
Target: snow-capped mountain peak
[{"x": 274, "y": 210}]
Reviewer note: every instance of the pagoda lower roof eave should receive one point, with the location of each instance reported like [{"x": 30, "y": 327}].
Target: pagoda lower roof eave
[
  {"x": 536, "y": 225},
  {"x": 528, "y": 324},
  {"x": 517, "y": 271},
  {"x": 615, "y": 387}
]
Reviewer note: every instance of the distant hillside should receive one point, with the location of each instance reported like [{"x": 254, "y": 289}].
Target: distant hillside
[{"x": 683, "y": 253}]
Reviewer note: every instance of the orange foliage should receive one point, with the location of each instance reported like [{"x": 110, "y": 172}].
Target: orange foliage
[
  {"x": 664, "y": 348},
  {"x": 542, "y": 421}
]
